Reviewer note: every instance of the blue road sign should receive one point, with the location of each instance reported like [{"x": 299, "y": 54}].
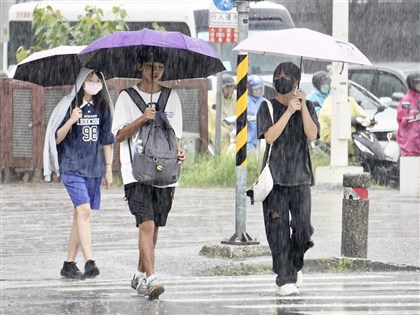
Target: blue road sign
[{"x": 224, "y": 5}]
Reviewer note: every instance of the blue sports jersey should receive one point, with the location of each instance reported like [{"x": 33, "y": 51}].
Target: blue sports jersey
[{"x": 80, "y": 153}]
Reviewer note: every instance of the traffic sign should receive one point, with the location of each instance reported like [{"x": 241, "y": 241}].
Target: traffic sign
[
  {"x": 224, "y": 5},
  {"x": 223, "y": 22}
]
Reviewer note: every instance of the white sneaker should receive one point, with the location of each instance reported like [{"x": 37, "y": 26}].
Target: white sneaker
[
  {"x": 154, "y": 287},
  {"x": 142, "y": 287},
  {"x": 139, "y": 284},
  {"x": 287, "y": 289},
  {"x": 299, "y": 279}
]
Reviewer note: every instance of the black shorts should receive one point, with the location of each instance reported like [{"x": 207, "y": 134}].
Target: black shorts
[{"x": 149, "y": 203}]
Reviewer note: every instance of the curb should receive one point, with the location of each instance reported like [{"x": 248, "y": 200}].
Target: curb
[{"x": 240, "y": 266}]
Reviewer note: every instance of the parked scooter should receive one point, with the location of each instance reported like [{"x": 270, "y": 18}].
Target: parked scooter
[{"x": 381, "y": 161}]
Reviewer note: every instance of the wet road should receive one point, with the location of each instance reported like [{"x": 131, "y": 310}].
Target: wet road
[
  {"x": 35, "y": 223},
  {"x": 379, "y": 293}
]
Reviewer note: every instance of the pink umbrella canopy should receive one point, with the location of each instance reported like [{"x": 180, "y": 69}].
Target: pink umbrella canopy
[
  {"x": 304, "y": 43},
  {"x": 52, "y": 67}
]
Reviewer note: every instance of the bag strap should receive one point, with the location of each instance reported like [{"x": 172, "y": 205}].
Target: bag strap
[
  {"x": 270, "y": 109},
  {"x": 141, "y": 104}
]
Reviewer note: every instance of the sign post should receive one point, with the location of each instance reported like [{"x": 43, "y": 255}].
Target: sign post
[{"x": 241, "y": 237}]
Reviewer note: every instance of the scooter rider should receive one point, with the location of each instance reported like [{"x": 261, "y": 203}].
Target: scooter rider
[
  {"x": 321, "y": 81},
  {"x": 228, "y": 113},
  {"x": 408, "y": 118},
  {"x": 255, "y": 97},
  {"x": 325, "y": 119}
]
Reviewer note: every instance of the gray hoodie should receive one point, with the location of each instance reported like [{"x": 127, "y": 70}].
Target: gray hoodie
[{"x": 50, "y": 153}]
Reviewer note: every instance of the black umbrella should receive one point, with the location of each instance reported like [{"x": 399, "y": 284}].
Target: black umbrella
[{"x": 52, "y": 67}]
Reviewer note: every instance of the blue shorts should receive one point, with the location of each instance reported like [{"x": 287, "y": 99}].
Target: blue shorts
[{"x": 83, "y": 190}]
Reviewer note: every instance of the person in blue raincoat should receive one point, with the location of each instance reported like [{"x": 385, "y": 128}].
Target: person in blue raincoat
[
  {"x": 321, "y": 81},
  {"x": 255, "y": 97},
  {"x": 78, "y": 148}
]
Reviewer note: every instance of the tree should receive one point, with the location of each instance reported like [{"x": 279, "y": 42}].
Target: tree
[{"x": 51, "y": 29}]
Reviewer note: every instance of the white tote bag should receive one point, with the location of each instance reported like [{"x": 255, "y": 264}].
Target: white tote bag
[{"x": 264, "y": 183}]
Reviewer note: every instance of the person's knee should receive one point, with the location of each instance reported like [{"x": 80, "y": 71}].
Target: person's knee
[
  {"x": 147, "y": 227},
  {"x": 83, "y": 212}
]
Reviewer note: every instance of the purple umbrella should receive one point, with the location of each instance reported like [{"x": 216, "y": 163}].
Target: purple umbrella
[{"x": 115, "y": 55}]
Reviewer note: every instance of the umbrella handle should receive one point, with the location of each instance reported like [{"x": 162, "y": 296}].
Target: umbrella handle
[
  {"x": 300, "y": 68},
  {"x": 342, "y": 68}
]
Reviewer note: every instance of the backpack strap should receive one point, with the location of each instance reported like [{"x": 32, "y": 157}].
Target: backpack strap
[
  {"x": 163, "y": 98},
  {"x": 141, "y": 104},
  {"x": 137, "y": 99}
]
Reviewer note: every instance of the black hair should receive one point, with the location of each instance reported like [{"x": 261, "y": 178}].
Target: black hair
[
  {"x": 289, "y": 69},
  {"x": 100, "y": 99},
  {"x": 151, "y": 53}
]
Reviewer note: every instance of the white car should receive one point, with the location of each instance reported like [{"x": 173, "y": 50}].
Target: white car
[{"x": 386, "y": 120}]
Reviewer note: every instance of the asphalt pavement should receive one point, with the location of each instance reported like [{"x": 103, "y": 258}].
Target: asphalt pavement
[{"x": 35, "y": 225}]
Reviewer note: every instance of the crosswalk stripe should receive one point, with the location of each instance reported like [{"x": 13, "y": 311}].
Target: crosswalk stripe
[
  {"x": 329, "y": 294},
  {"x": 325, "y": 305},
  {"x": 232, "y": 282}
]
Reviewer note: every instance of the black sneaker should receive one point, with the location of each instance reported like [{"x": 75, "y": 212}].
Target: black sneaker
[
  {"x": 91, "y": 271},
  {"x": 70, "y": 270}
]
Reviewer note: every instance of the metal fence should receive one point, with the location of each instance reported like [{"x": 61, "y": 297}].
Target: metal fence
[{"x": 26, "y": 109}]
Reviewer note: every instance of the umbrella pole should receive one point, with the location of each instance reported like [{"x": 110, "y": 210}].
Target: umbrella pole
[
  {"x": 151, "y": 93},
  {"x": 76, "y": 104},
  {"x": 75, "y": 75},
  {"x": 300, "y": 68}
]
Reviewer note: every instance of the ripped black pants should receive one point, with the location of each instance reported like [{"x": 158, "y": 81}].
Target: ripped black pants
[{"x": 288, "y": 240}]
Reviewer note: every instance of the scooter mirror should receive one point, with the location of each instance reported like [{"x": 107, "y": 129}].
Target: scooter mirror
[{"x": 364, "y": 121}]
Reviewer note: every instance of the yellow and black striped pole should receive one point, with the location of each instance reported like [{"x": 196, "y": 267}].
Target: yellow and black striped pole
[
  {"x": 241, "y": 237},
  {"x": 241, "y": 110}
]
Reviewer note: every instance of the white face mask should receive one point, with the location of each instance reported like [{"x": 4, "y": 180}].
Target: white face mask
[{"x": 92, "y": 88}]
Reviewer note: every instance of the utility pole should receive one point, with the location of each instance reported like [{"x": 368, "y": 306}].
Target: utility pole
[
  {"x": 241, "y": 237},
  {"x": 340, "y": 111}
]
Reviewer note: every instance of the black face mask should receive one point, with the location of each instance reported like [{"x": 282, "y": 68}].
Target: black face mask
[{"x": 283, "y": 85}]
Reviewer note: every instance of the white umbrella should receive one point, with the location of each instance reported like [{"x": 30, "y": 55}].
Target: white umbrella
[{"x": 304, "y": 43}]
